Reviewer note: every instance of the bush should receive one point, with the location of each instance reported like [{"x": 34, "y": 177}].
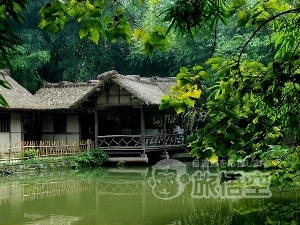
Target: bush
[
  {"x": 30, "y": 153},
  {"x": 94, "y": 157}
]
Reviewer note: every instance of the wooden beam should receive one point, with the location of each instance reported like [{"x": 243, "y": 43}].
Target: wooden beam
[
  {"x": 134, "y": 104},
  {"x": 127, "y": 159},
  {"x": 164, "y": 127},
  {"x": 96, "y": 126},
  {"x": 143, "y": 129}
]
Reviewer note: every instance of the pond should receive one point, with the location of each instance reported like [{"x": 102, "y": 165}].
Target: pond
[{"x": 185, "y": 194}]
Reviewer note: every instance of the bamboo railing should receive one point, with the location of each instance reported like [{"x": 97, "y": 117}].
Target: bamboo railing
[
  {"x": 41, "y": 190},
  {"x": 11, "y": 151},
  {"x": 135, "y": 141}
]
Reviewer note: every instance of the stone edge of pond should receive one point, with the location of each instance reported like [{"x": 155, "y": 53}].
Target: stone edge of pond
[{"x": 25, "y": 167}]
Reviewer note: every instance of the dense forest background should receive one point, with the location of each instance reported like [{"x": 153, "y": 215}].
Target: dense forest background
[{"x": 43, "y": 57}]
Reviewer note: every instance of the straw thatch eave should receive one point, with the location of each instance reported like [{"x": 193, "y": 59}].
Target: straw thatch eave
[
  {"x": 68, "y": 95},
  {"x": 18, "y": 98},
  {"x": 65, "y": 95}
]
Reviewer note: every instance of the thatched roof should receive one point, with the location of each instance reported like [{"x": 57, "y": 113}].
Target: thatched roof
[
  {"x": 148, "y": 90},
  {"x": 17, "y": 97},
  {"x": 66, "y": 95}
]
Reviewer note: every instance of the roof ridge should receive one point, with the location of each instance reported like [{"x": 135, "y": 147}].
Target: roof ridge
[{"x": 67, "y": 84}]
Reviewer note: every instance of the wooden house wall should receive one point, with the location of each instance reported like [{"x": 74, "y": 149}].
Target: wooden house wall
[
  {"x": 16, "y": 128},
  {"x": 72, "y": 128},
  {"x": 15, "y": 135},
  {"x": 117, "y": 96}
]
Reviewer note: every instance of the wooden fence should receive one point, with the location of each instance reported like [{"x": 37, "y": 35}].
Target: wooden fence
[{"x": 10, "y": 152}]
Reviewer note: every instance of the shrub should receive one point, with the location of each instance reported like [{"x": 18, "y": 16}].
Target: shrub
[
  {"x": 30, "y": 153},
  {"x": 1, "y": 155},
  {"x": 94, "y": 157}
]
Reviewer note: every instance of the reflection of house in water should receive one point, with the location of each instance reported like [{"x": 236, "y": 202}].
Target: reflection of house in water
[
  {"x": 126, "y": 197},
  {"x": 52, "y": 219},
  {"x": 40, "y": 199},
  {"x": 16, "y": 191},
  {"x": 130, "y": 198},
  {"x": 113, "y": 196}
]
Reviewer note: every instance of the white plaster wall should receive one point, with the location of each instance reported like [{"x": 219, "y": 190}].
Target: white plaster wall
[
  {"x": 102, "y": 98},
  {"x": 113, "y": 99},
  {"x": 47, "y": 137},
  {"x": 16, "y": 138},
  {"x": 72, "y": 123},
  {"x": 135, "y": 100},
  {"x": 125, "y": 99},
  {"x": 114, "y": 94},
  {"x": 114, "y": 90},
  {"x": 48, "y": 123},
  {"x": 4, "y": 139},
  {"x": 60, "y": 137},
  {"x": 123, "y": 91},
  {"x": 16, "y": 122},
  {"x": 73, "y": 137}
]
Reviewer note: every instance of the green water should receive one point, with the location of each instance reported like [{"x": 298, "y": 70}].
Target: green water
[{"x": 131, "y": 195}]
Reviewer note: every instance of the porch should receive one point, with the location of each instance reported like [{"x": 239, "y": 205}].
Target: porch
[
  {"x": 128, "y": 131},
  {"x": 142, "y": 144}
]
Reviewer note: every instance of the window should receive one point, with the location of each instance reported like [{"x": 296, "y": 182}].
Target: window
[
  {"x": 5, "y": 122},
  {"x": 60, "y": 123}
]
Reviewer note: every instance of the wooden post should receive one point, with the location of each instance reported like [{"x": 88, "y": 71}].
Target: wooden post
[
  {"x": 185, "y": 134},
  {"x": 9, "y": 153},
  {"x": 143, "y": 132},
  {"x": 164, "y": 128},
  {"x": 96, "y": 127}
]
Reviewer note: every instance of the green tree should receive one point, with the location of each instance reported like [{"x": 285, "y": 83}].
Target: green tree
[
  {"x": 25, "y": 66},
  {"x": 71, "y": 58},
  {"x": 8, "y": 10},
  {"x": 253, "y": 103}
]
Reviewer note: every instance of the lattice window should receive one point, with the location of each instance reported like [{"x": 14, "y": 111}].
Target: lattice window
[
  {"x": 4, "y": 122},
  {"x": 60, "y": 123}
]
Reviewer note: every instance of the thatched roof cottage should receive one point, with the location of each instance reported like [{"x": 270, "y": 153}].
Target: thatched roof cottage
[
  {"x": 112, "y": 105},
  {"x": 117, "y": 112}
]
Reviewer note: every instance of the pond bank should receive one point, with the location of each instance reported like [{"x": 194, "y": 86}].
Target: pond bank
[
  {"x": 69, "y": 162},
  {"x": 35, "y": 165}
]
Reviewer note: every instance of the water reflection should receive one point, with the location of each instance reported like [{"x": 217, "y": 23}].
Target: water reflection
[
  {"x": 158, "y": 194},
  {"x": 53, "y": 219}
]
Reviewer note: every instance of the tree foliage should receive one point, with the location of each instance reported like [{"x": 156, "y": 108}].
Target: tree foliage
[
  {"x": 8, "y": 10},
  {"x": 253, "y": 103},
  {"x": 8, "y": 38}
]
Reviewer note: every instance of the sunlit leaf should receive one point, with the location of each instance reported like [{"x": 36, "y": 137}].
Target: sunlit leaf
[{"x": 213, "y": 159}]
